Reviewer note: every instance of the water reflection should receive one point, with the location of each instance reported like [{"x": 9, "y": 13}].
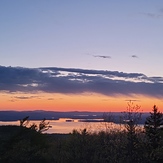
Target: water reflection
[{"x": 66, "y": 125}]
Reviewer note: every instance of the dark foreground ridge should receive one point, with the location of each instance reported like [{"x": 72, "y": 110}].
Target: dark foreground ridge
[
  {"x": 28, "y": 144},
  {"x": 23, "y": 145}
]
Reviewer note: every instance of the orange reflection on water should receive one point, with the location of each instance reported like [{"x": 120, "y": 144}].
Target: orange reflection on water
[{"x": 62, "y": 126}]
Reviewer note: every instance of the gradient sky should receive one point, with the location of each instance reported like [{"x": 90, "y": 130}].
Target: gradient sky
[{"x": 107, "y": 51}]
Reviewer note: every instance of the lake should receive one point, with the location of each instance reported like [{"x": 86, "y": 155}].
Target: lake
[{"x": 64, "y": 125}]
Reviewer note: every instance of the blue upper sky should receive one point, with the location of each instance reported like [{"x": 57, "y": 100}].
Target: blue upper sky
[{"x": 112, "y": 35}]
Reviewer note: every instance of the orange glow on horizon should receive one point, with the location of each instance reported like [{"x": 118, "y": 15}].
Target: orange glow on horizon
[{"x": 82, "y": 102}]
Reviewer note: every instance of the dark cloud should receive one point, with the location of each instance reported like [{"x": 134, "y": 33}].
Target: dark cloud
[
  {"x": 134, "y": 56},
  {"x": 102, "y": 56},
  {"x": 25, "y": 97},
  {"x": 76, "y": 81},
  {"x": 161, "y": 10},
  {"x": 50, "y": 99}
]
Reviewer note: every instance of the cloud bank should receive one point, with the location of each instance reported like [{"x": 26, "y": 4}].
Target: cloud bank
[{"x": 76, "y": 81}]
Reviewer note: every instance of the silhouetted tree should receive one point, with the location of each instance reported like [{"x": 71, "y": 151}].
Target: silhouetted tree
[
  {"x": 43, "y": 126},
  {"x": 108, "y": 121},
  {"x": 153, "y": 125},
  {"x": 24, "y": 122},
  {"x": 132, "y": 117},
  {"x": 33, "y": 127}
]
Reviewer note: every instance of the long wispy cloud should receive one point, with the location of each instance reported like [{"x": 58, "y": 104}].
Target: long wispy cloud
[
  {"x": 25, "y": 97},
  {"x": 153, "y": 15},
  {"x": 156, "y": 15},
  {"x": 103, "y": 56},
  {"x": 100, "y": 56},
  {"x": 76, "y": 81}
]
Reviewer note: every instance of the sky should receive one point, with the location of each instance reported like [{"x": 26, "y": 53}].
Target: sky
[{"x": 84, "y": 55}]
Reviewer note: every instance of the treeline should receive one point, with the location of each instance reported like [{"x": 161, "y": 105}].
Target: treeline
[{"x": 22, "y": 144}]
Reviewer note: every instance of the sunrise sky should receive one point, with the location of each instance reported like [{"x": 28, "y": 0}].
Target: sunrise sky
[{"x": 81, "y": 55}]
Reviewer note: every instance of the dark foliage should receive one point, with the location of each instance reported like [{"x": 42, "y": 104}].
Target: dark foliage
[{"x": 23, "y": 144}]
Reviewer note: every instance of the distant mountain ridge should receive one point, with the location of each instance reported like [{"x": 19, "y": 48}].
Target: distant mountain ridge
[{"x": 54, "y": 115}]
